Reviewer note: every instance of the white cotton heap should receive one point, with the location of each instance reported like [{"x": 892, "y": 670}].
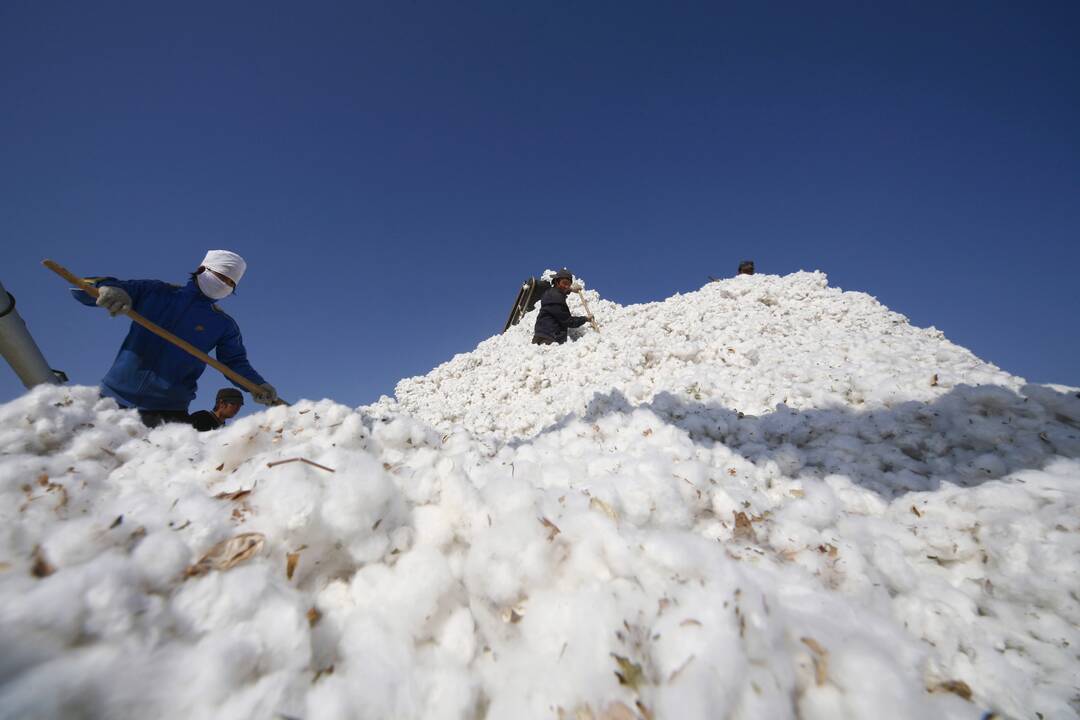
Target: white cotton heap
[{"x": 764, "y": 499}]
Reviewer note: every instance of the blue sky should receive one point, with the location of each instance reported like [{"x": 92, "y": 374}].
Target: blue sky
[{"x": 393, "y": 170}]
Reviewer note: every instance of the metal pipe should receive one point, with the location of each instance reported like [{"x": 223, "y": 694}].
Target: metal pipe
[{"x": 19, "y": 348}]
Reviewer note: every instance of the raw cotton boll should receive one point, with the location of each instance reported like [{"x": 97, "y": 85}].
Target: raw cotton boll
[
  {"x": 889, "y": 559},
  {"x": 87, "y": 444},
  {"x": 283, "y": 631},
  {"x": 73, "y": 542},
  {"x": 401, "y": 539},
  {"x": 787, "y": 534},
  {"x": 113, "y": 604},
  {"x": 449, "y": 693},
  {"x": 568, "y": 638},
  {"x": 381, "y": 662},
  {"x": 989, "y": 465},
  {"x": 994, "y": 497},
  {"x": 401, "y": 433},
  {"x": 457, "y": 636},
  {"x": 289, "y": 502},
  {"x": 1058, "y": 400},
  {"x": 25, "y": 646},
  {"x": 50, "y": 612},
  {"x": 334, "y": 697},
  {"x": 432, "y": 525},
  {"x": 271, "y": 694},
  {"x": 686, "y": 351},
  {"x": 351, "y": 434},
  {"x": 418, "y": 481},
  {"x": 603, "y": 466},
  {"x": 824, "y": 702},
  {"x": 872, "y": 680},
  {"x": 503, "y": 559},
  {"x": 160, "y": 558},
  {"x": 511, "y": 495},
  {"x": 694, "y": 478},
  {"x": 413, "y": 588},
  {"x": 220, "y": 600},
  {"x": 789, "y": 459},
  {"x": 362, "y": 506},
  {"x": 928, "y": 618},
  {"x": 766, "y": 693},
  {"x": 724, "y": 504},
  {"x": 71, "y": 688},
  {"x": 817, "y": 508},
  {"x": 212, "y": 670},
  {"x": 855, "y": 499},
  {"x": 633, "y": 499}
]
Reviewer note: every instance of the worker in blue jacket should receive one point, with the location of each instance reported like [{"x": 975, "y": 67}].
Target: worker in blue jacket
[{"x": 150, "y": 373}]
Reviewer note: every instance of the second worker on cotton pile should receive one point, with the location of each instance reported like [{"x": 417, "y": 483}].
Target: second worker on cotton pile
[{"x": 554, "y": 318}]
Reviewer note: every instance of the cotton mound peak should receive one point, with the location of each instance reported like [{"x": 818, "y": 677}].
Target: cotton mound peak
[
  {"x": 746, "y": 344},
  {"x": 752, "y": 501}
]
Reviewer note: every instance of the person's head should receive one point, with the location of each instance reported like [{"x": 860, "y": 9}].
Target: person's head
[
  {"x": 228, "y": 403},
  {"x": 563, "y": 280},
  {"x": 220, "y": 273},
  {"x": 746, "y": 267}
]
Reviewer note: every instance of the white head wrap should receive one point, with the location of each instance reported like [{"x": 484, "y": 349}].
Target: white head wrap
[{"x": 225, "y": 262}]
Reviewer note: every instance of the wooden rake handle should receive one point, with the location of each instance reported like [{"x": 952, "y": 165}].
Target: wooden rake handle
[
  {"x": 581, "y": 296},
  {"x": 161, "y": 332}
]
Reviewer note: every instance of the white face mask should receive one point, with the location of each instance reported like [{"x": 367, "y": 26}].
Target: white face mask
[{"x": 211, "y": 286}]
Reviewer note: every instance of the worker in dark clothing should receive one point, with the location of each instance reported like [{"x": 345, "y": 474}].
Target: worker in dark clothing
[
  {"x": 554, "y": 317},
  {"x": 227, "y": 403},
  {"x": 154, "y": 376},
  {"x": 746, "y": 267}
]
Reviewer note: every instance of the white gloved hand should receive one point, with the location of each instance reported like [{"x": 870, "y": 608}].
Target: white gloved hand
[
  {"x": 267, "y": 396},
  {"x": 114, "y": 299}
]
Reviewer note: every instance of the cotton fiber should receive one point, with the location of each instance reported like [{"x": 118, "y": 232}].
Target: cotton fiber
[{"x": 768, "y": 498}]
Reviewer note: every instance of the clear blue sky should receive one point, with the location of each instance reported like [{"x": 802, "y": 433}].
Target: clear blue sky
[{"x": 392, "y": 170}]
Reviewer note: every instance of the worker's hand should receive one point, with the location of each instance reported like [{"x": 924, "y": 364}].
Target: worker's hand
[
  {"x": 575, "y": 288},
  {"x": 267, "y": 396},
  {"x": 114, "y": 299}
]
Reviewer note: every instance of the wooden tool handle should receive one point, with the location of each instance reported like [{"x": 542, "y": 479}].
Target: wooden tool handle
[
  {"x": 581, "y": 296},
  {"x": 161, "y": 332}
]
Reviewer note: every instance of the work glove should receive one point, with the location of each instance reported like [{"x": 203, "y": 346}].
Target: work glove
[
  {"x": 575, "y": 288},
  {"x": 114, "y": 299},
  {"x": 266, "y": 396}
]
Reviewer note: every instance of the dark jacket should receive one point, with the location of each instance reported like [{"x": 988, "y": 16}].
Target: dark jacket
[
  {"x": 554, "y": 317},
  {"x": 204, "y": 420},
  {"x": 150, "y": 373}
]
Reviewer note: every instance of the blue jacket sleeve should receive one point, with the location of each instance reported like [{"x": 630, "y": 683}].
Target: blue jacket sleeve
[
  {"x": 137, "y": 289},
  {"x": 230, "y": 350}
]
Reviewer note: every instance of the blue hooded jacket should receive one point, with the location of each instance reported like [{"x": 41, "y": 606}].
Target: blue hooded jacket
[{"x": 151, "y": 373}]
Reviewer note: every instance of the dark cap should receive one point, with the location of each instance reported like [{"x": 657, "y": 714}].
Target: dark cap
[
  {"x": 230, "y": 395},
  {"x": 564, "y": 273}
]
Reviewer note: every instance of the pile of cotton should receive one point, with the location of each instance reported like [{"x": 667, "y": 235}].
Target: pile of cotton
[
  {"x": 809, "y": 526},
  {"x": 748, "y": 344}
]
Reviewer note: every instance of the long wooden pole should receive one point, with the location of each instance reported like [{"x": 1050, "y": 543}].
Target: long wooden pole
[
  {"x": 161, "y": 332},
  {"x": 585, "y": 305}
]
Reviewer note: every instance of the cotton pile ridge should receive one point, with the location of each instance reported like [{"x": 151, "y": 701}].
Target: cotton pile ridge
[
  {"x": 764, "y": 499},
  {"x": 748, "y": 344}
]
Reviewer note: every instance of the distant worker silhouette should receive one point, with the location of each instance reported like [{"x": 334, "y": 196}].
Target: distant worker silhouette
[
  {"x": 746, "y": 267},
  {"x": 554, "y": 318}
]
